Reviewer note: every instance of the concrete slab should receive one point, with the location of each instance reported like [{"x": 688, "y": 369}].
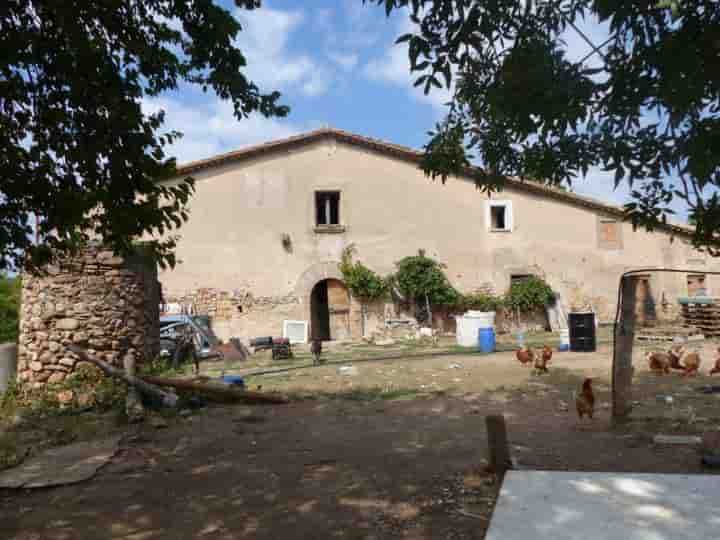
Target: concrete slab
[
  {"x": 605, "y": 506},
  {"x": 63, "y": 465}
]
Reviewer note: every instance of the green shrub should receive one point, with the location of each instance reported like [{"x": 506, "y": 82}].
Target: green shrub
[
  {"x": 420, "y": 277},
  {"x": 9, "y": 308},
  {"x": 86, "y": 387},
  {"x": 529, "y": 294},
  {"x": 481, "y": 301}
]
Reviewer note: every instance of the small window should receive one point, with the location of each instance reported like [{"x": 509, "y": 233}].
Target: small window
[
  {"x": 519, "y": 278},
  {"x": 327, "y": 208},
  {"x": 609, "y": 233},
  {"x": 499, "y": 216}
]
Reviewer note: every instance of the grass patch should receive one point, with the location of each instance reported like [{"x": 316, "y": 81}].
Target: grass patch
[{"x": 367, "y": 395}]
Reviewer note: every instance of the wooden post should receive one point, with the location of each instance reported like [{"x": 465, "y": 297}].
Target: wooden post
[
  {"x": 498, "y": 445},
  {"x": 622, "y": 354}
]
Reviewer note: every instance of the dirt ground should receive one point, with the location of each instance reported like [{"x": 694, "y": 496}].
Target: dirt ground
[{"x": 395, "y": 450}]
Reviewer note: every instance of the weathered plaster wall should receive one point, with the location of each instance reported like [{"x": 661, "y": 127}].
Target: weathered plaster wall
[
  {"x": 97, "y": 300},
  {"x": 241, "y": 211}
]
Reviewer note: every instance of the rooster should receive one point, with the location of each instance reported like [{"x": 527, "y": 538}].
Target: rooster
[
  {"x": 716, "y": 368},
  {"x": 525, "y": 355},
  {"x": 585, "y": 400},
  {"x": 691, "y": 361},
  {"x": 316, "y": 350},
  {"x": 542, "y": 360},
  {"x": 659, "y": 362}
]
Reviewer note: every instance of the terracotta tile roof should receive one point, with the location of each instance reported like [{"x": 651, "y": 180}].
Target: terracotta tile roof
[{"x": 407, "y": 154}]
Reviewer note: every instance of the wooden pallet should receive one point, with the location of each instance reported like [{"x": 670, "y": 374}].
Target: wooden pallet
[{"x": 704, "y": 317}]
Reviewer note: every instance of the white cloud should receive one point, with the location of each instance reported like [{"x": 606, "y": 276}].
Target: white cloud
[
  {"x": 347, "y": 61},
  {"x": 209, "y": 128},
  {"x": 264, "y": 42},
  {"x": 394, "y": 68}
]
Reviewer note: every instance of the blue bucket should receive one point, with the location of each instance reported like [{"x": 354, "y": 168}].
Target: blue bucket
[
  {"x": 233, "y": 379},
  {"x": 486, "y": 340}
]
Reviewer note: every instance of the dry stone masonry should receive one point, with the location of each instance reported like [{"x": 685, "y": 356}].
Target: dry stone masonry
[{"x": 96, "y": 300}]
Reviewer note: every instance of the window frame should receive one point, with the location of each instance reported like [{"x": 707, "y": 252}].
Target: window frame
[
  {"x": 332, "y": 228},
  {"x": 603, "y": 243},
  {"x": 509, "y": 218}
]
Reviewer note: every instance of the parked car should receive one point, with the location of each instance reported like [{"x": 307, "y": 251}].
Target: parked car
[{"x": 186, "y": 337}]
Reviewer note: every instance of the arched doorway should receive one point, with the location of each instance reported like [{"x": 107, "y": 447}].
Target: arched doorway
[{"x": 330, "y": 310}]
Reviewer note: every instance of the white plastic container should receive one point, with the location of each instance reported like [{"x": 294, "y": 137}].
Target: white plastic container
[
  {"x": 565, "y": 339},
  {"x": 469, "y": 324},
  {"x": 459, "y": 329}
]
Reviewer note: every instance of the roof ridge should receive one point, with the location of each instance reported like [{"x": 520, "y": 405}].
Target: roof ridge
[{"x": 409, "y": 154}]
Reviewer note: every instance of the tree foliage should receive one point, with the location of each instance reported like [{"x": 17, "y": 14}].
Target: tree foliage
[
  {"x": 420, "y": 277},
  {"x": 645, "y": 104},
  {"x": 9, "y": 308},
  {"x": 76, "y": 148},
  {"x": 529, "y": 294},
  {"x": 480, "y": 301}
]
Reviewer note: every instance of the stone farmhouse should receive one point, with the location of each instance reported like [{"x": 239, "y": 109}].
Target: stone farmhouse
[{"x": 268, "y": 224}]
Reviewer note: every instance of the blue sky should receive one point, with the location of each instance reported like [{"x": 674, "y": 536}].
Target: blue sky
[{"x": 336, "y": 64}]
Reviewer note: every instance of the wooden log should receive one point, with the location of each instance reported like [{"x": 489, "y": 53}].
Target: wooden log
[
  {"x": 133, "y": 404},
  {"x": 622, "y": 355},
  {"x": 499, "y": 458},
  {"x": 167, "y": 399},
  {"x": 219, "y": 392}
]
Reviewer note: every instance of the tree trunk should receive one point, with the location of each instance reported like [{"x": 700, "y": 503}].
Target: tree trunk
[
  {"x": 219, "y": 392},
  {"x": 169, "y": 400},
  {"x": 622, "y": 355},
  {"x": 429, "y": 311},
  {"x": 133, "y": 404},
  {"x": 363, "y": 313},
  {"x": 499, "y": 450}
]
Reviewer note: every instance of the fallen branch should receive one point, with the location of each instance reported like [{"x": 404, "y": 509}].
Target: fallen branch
[
  {"x": 167, "y": 399},
  {"x": 470, "y": 514},
  {"x": 219, "y": 392}
]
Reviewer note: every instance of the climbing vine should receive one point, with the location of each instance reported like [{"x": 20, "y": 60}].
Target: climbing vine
[{"x": 362, "y": 282}]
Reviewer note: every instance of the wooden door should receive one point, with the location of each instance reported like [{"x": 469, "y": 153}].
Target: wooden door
[{"x": 338, "y": 309}]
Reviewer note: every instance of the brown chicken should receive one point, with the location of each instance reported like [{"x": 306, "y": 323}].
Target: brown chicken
[
  {"x": 691, "y": 361},
  {"x": 675, "y": 354},
  {"x": 547, "y": 354},
  {"x": 585, "y": 400},
  {"x": 659, "y": 362},
  {"x": 542, "y": 360},
  {"x": 526, "y": 356},
  {"x": 716, "y": 367}
]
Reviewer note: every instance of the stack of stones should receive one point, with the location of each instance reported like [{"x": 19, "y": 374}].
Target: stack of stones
[{"x": 104, "y": 303}]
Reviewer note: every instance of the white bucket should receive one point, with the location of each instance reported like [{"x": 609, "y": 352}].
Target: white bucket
[
  {"x": 486, "y": 319},
  {"x": 564, "y": 339},
  {"x": 459, "y": 329},
  {"x": 469, "y": 324}
]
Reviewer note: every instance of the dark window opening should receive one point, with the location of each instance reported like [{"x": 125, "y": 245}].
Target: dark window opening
[
  {"x": 498, "y": 218},
  {"x": 519, "y": 278},
  {"x": 327, "y": 208}
]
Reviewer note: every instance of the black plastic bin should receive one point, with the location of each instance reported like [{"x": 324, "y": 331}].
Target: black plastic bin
[{"x": 583, "y": 337}]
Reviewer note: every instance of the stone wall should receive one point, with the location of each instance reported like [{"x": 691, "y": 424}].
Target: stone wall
[{"x": 96, "y": 300}]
